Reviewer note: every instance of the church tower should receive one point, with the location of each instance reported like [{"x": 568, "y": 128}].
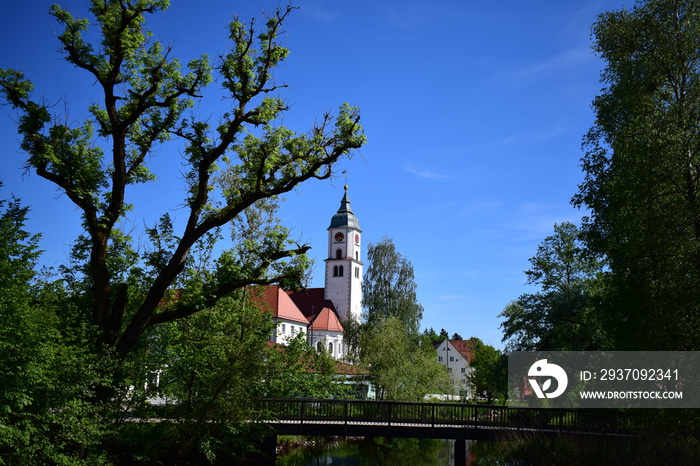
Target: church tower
[{"x": 344, "y": 265}]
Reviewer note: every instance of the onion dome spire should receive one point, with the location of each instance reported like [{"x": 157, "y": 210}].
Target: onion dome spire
[{"x": 345, "y": 217}]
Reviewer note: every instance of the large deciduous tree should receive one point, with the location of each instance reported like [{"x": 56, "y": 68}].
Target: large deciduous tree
[
  {"x": 642, "y": 167},
  {"x": 19, "y": 340},
  {"x": 402, "y": 366},
  {"x": 490, "y": 374},
  {"x": 561, "y": 315},
  {"x": 45, "y": 373},
  {"x": 389, "y": 287},
  {"x": 229, "y": 166}
]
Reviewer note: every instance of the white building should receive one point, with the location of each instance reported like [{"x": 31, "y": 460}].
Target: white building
[
  {"x": 344, "y": 265},
  {"x": 290, "y": 320},
  {"x": 457, "y": 355},
  {"x": 318, "y": 312}
]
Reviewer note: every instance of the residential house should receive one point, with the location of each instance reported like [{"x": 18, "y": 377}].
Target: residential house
[{"x": 457, "y": 355}]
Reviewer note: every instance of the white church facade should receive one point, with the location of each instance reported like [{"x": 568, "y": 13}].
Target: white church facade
[{"x": 319, "y": 312}]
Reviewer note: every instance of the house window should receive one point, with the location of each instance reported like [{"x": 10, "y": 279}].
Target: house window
[
  {"x": 452, "y": 358},
  {"x": 283, "y": 329},
  {"x": 464, "y": 369},
  {"x": 439, "y": 358},
  {"x": 449, "y": 369}
]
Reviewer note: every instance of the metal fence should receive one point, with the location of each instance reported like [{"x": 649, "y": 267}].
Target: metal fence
[{"x": 448, "y": 414}]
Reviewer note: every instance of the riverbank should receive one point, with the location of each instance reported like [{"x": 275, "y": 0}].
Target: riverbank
[
  {"x": 517, "y": 449},
  {"x": 288, "y": 443},
  {"x": 371, "y": 450},
  {"x": 644, "y": 450}
]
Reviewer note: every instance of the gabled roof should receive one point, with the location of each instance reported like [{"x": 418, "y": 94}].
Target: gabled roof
[
  {"x": 317, "y": 309},
  {"x": 279, "y": 302},
  {"x": 327, "y": 319},
  {"x": 465, "y": 347},
  {"x": 310, "y": 301}
]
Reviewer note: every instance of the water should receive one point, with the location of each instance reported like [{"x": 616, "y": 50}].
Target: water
[{"x": 375, "y": 451}]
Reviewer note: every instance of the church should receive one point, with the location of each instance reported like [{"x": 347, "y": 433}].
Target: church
[{"x": 319, "y": 312}]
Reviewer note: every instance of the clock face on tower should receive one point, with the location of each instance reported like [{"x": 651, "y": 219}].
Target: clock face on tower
[
  {"x": 339, "y": 237},
  {"x": 357, "y": 238}
]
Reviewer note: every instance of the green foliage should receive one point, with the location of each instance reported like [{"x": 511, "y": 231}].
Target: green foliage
[
  {"x": 145, "y": 92},
  {"x": 648, "y": 450},
  {"x": 641, "y": 163},
  {"x": 389, "y": 287},
  {"x": 78, "y": 354},
  {"x": 214, "y": 370},
  {"x": 297, "y": 370},
  {"x": 402, "y": 366},
  {"x": 432, "y": 336},
  {"x": 211, "y": 367},
  {"x": 561, "y": 316},
  {"x": 20, "y": 339},
  {"x": 47, "y": 369},
  {"x": 490, "y": 375}
]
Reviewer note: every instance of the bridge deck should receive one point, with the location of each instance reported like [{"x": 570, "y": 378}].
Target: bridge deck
[{"x": 435, "y": 420}]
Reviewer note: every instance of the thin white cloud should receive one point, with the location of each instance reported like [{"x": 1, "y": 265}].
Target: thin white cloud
[
  {"x": 318, "y": 11},
  {"x": 423, "y": 173},
  {"x": 535, "y": 221},
  {"x": 566, "y": 60}
]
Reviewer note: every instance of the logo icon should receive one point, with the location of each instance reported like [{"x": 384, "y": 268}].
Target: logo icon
[{"x": 542, "y": 368}]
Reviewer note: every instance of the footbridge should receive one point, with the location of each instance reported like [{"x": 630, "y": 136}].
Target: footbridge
[{"x": 322, "y": 417}]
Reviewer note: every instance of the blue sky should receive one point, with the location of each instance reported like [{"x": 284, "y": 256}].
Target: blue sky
[{"x": 473, "y": 111}]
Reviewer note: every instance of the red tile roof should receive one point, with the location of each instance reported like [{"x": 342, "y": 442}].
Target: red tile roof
[
  {"x": 345, "y": 368},
  {"x": 317, "y": 309},
  {"x": 327, "y": 319},
  {"x": 465, "y": 348},
  {"x": 279, "y": 302},
  {"x": 310, "y": 301}
]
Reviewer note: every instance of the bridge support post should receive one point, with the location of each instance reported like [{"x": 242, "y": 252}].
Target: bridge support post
[
  {"x": 269, "y": 449},
  {"x": 460, "y": 452}
]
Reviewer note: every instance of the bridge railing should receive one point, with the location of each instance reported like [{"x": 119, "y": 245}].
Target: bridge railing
[{"x": 446, "y": 414}]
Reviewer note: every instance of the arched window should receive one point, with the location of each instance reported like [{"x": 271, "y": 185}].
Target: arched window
[
  {"x": 319, "y": 346},
  {"x": 338, "y": 254},
  {"x": 335, "y": 270},
  {"x": 330, "y": 347},
  {"x": 357, "y": 256},
  {"x": 357, "y": 272},
  {"x": 340, "y": 271}
]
